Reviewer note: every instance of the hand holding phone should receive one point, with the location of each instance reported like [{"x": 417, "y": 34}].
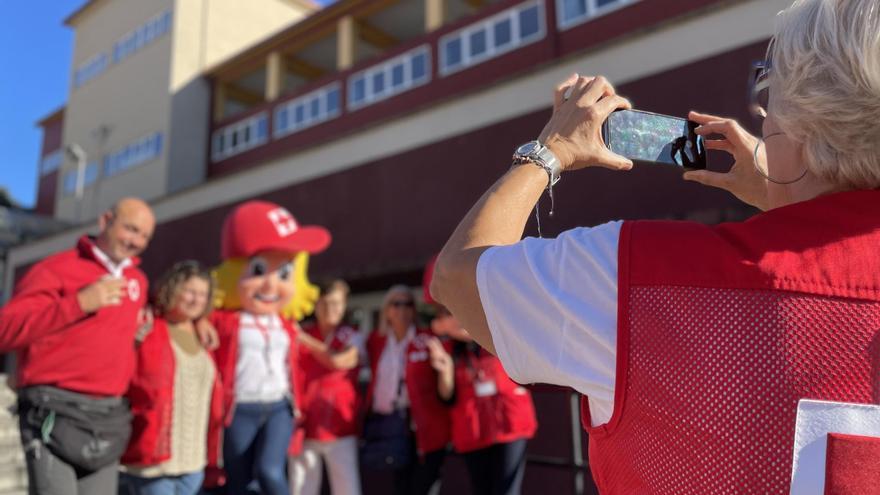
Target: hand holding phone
[
  {"x": 657, "y": 138},
  {"x": 580, "y": 105}
]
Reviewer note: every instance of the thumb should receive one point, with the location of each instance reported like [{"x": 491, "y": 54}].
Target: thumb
[
  {"x": 609, "y": 159},
  {"x": 707, "y": 178}
]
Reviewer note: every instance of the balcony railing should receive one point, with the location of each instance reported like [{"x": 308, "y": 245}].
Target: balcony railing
[
  {"x": 390, "y": 78},
  {"x": 240, "y": 136},
  {"x": 492, "y": 37},
  {"x": 456, "y": 49},
  {"x": 306, "y": 111}
]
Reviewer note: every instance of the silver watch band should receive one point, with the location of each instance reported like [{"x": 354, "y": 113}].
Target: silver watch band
[{"x": 535, "y": 152}]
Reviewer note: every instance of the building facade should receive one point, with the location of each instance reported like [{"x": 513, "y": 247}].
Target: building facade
[
  {"x": 384, "y": 121},
  {"x": 138, "y": 103}
]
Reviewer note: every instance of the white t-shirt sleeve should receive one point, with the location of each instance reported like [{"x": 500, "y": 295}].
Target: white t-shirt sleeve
[{"x": 551, "y": 305}]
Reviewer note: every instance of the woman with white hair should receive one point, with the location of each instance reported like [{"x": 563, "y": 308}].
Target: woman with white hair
[
  {"x": 407, "y": 427},
  {"x": 737, "y": 358}
]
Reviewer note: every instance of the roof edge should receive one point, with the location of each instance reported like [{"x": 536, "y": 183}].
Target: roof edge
[{"x": 52, "y": 116}]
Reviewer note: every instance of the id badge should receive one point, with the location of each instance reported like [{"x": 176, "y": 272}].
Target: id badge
[{"x": 485, "y": 388}]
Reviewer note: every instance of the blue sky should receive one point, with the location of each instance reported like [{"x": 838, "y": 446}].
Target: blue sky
[
  {"x": 35, "y": 61},
  {"x": 35, "y": 51}
]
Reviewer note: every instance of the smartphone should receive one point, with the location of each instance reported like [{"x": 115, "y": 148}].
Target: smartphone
[{"x": 657, "y": 138}]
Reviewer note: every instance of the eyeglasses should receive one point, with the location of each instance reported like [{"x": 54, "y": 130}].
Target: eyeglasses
[
  {"x": 759, "y": 89},
  {"x": 402, "y": 304}
]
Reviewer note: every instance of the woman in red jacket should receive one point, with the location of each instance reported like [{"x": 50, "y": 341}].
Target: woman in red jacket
[
  {"x": 175, "y": 396},
  {"x": 330, "y": 399},
  {"x": 404, "y": 397},
  {"x": 492, "y": 416}
]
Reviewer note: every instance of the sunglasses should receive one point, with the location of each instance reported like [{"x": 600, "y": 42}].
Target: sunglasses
[
  {"x": 402, "y": 304},
  {"x": 759, "y": 89}
]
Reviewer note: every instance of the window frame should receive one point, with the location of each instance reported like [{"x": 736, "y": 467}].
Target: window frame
[
  {"x": 233, "y": 142},
  {"x": 290, "y": 108},
  {"x": 516, "y": 41},
  {"x": 386, "y": 68},
  {"x": 593, "y": 11}
]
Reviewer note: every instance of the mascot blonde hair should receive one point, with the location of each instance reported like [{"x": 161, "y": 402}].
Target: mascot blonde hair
[{"x": 305, "y": 295}]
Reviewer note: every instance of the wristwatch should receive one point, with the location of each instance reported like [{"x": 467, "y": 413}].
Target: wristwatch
[{"x": 540, "y": 155}]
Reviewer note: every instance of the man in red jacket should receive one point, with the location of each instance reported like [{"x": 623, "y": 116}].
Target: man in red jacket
[{"x": 72, "y": 320}]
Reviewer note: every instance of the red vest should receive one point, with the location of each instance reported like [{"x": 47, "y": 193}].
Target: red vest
[
  {"x": 490, "y": 408},
  {"x": 226, "y": 356},
  {"x": 722, "y": 330},
  {"x": 330, "y": 397},
  {"x": 429, "y": 415},
  {"x": 151, "y": 395}
]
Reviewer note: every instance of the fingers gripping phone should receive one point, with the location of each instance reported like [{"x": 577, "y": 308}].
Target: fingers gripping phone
[{"x": 652, "y": 137}]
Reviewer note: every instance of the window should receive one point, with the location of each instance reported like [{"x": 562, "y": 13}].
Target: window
[
  {"x": 478, "y": 43},
  {"x": 141, "y": 37},
  {"x": 90, "y": 69},
  {"x": 574, "y": 12},
  {"x": 140, "y": 151},
  {"x": 452, "y": 50},
  {"x": 69, "y": 182},
  {"x": 91, "y": 175},
  {"x": 333, "y": 101},
  {"x": 69, "y": 185},
  {"x": 240, "y": 136},
  {"x": 529, "y": 22},
  {"x": 390, "y": 78},
  {"x": 307, "y": 110},
  {"x": 51, "y": 162},
  {"x": 397, "y": 75},
  {"x": 492, "y": 37},
  {"x": 502, "y": 32},
  {"x": 419, "y": 67},
  {"x": 358, "y": 90},
  {"x": 379, "y": 82}
]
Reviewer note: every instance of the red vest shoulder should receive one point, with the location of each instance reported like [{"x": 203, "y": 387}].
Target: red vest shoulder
[{"x": 804, "y": 247}]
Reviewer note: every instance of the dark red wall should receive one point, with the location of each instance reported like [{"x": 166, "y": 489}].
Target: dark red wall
[
  {"x": 48, "y": 184},
  {"x": 46, "y": 193},
  {"x": 52, "y": 130}
]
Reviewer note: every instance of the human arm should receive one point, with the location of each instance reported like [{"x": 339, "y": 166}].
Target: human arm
[
  {"x": 207, "y": 333},
  {"x": 344, "y": 359},
  {"x": 442, "y": 363},
  {"x": 40, "y": 306},
  {"x": 499, "y": 217}
]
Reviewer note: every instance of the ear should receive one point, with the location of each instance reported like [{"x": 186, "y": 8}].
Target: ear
[{"x": 105, "y": 220}]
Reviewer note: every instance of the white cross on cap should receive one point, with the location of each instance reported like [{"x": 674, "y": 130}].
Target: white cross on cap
[{"x": 283, "y": 222}]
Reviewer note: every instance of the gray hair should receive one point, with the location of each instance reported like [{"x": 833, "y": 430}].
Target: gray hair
[{"x": 825, "y": 87}]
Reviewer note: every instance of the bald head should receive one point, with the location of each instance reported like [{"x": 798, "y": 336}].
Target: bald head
[{"x": 126, "y": 229}]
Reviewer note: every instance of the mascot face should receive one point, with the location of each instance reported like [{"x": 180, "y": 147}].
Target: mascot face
[{"x": 267, "y": 283}]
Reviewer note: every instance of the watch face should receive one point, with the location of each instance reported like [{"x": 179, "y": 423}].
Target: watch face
[{"x": 527, "y": 148}]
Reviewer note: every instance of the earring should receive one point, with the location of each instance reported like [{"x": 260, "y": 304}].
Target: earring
[{"x": 764, "y": 174}]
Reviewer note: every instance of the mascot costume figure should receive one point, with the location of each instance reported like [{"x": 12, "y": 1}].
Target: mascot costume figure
[{"x": 263, "y": 290}]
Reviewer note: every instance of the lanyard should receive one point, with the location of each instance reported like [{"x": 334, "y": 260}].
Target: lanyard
[{"x": 264, "y": 332}]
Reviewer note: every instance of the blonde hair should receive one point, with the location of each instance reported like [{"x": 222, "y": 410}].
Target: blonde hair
[
  {"x": 302, "y": 303},
  {"x": 384, "y": 325},
  {"x": 825, "y": 87}
]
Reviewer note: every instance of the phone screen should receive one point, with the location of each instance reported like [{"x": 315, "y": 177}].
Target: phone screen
[{"x": 652, "y": 137}]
